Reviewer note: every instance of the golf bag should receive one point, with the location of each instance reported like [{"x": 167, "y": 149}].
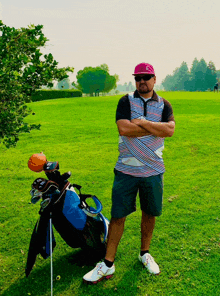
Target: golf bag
[{"x": 80, "y": 225}]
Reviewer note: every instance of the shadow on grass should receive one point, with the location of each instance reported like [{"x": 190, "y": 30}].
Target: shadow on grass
[
  {"x": 69, "y": 267},
  {"x": 123, "y": 284},
  {"x": 127, "y": 285}
]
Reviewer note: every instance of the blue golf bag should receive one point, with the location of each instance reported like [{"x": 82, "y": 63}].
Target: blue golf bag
[{"x": 79, "y": 224}]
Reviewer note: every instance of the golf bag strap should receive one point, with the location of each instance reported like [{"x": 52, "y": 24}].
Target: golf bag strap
[
  {"x": 84, "y": 206},
  {"x": 90, "y": 211},
  {"x": 44, "y": 185},
  {"x": 78, "y": 187},
  {"x": 64, "y": 188},
  {"x": 83, "y": 198}
]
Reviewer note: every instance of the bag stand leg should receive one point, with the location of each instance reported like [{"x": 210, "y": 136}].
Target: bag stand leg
[{"x": 51, "y": 255}]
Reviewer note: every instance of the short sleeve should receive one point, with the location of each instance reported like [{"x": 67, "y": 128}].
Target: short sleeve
[
  {"x": 123, "y": 109},
  {"x": 167, "y": 114}
]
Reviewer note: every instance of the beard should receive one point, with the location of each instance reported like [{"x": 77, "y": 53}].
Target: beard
[{"x": 144, "y": 90}]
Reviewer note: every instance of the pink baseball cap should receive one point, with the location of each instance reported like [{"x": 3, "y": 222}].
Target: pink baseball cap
[{"x": 144, "y": 68}]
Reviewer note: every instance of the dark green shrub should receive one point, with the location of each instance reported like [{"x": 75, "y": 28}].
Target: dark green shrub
[{"x": 47, "y": 94}]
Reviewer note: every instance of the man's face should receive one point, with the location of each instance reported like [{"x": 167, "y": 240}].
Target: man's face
[{"x": 145, "y": 85}]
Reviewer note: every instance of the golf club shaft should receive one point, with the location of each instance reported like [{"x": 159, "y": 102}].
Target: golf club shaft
[{"x": 51, "y": 257}]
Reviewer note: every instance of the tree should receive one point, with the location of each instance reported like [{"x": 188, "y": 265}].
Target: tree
[
  {"x": 192, "y": 81},
  {"x": 198, "y": 75},
  {"x": 181, "y": 77},
  {"x": 179, "y": 80},
  {"x": 203, "y": 76},
  {"x": 130, "y": 86},
  {"x": 218, "y": 75},
  {"x": 110, "y": 82},
  {"x": 105, "y": 67},
  {"x": 95, "y": 80},
  {"x": 211, "y": 75},
  {"x": 91, "y": 80},
  {"x": 23, "y": 70},
  {"x": 127, "y": 87},
  {"x": 168, "y": 83},
  {"x": 75, "y": 85},
  {"x": 200, "y": 78}
]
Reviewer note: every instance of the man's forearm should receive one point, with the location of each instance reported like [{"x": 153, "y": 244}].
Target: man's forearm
[
  {"x": 159, "y": 129},
  {"x": 129, "y": 129}
]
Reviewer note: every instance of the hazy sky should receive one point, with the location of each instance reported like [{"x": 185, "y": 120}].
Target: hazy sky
[{"x": 123, "y": 33}]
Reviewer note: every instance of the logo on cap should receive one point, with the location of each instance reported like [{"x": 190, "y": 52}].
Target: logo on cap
[{"x": 144, "y": 68}]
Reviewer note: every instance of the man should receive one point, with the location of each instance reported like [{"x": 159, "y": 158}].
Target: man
[
  {"x": 216, "y": 87},
  {"x": 144, "y": 119}
]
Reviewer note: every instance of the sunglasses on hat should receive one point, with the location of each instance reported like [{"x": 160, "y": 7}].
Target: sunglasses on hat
[{"x": 144, "y": 77}]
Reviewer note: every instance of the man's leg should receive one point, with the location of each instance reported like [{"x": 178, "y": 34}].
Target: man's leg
[
  {"x": 147, "y": 228},
  {"x": 124, "y": 194},
  {"x": 151, "y": 194},
  {"x": 116, "y": 229}
]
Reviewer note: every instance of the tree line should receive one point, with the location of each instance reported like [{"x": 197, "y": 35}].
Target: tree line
[
  {"x": 126, "y": 87},
  {"x": 201, "y": 77},
  {"x": 92, "y": 80}
]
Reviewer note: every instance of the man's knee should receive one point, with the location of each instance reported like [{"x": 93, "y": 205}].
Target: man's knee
[{"x": 118, "y": 221}]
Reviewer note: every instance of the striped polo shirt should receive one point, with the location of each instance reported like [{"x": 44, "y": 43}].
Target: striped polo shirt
[{"x": 142, "y": 156}]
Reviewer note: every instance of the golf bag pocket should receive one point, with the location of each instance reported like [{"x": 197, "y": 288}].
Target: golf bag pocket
[{"x": 71, "y": 210}]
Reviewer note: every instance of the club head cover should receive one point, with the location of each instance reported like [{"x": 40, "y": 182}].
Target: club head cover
[
  {"x": 44, "y": 185},
  {"x": 51, "y": 166}
]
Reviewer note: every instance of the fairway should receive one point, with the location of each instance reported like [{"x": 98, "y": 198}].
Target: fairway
[{"x": 81, "y": 134}]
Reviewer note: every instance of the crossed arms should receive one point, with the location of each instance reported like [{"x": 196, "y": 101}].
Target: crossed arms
[{"x": 143, "y": 127}]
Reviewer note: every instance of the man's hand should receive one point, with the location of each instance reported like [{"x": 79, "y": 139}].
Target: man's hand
[
  {"x": 137, "y": 121},
  {"x": 130, "y": 129},
  {"x": 159, "y": 129}
]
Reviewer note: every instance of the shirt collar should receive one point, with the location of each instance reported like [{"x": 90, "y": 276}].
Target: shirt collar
[{"x": 154, "y": 97}]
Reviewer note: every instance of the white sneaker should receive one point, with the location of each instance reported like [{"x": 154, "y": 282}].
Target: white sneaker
[
  {"x": 149, "y": 263},
  {"x": 100, "y": 272}
]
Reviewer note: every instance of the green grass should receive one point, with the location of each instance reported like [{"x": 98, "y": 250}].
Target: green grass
[{"x": 82, "y": 135}]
